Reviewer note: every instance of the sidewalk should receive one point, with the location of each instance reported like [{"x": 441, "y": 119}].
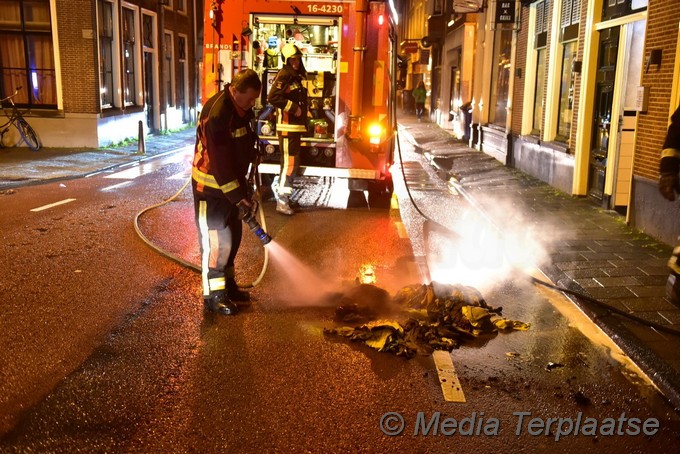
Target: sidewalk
[
  {"x": 593, "y": 251},
  {"x": 21, "y": 166}
]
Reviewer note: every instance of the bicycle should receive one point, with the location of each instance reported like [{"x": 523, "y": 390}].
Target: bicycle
[{"x": 17, "y": 120}]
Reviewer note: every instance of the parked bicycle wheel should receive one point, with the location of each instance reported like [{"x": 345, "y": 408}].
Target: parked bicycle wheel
[{"x": 28, "y": 134}]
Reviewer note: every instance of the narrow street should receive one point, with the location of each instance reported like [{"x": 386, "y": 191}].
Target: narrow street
[{"x": 107, "y": 348}]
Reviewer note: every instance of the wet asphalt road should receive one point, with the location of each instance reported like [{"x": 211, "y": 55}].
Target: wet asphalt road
[{"x": 105, "y": 346}]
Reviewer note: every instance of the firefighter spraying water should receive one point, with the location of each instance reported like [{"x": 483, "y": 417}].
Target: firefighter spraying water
[
  {"x": 349, "y": 52},
  {"x": 225, "y": 149}
]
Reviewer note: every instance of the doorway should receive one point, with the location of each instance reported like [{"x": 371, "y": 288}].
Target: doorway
[
  {"x": 149, "y": 100},
  {"x": 149, "y": 41},
  {"x": 602, "y": 115},
  {"x": 460, "y": 126}
]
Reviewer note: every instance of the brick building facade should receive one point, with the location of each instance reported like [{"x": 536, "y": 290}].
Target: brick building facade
[
  {"x": 587, "y": 109},
  {"x": 92, "y": 70},
  {"x": 650, "y": 211}
]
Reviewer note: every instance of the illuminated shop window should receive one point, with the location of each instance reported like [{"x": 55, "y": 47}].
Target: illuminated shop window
[{"x": 26, "y": 53}]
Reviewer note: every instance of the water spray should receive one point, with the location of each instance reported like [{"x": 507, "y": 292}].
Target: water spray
[{"x": 579, "y": 295}]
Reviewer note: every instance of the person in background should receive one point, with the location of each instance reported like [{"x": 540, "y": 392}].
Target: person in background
[
  {"x": 225, "y": 148},
  {"x": 289, "y": 97},
  {"x": 669, "y": 186},
  {"x": 419, "y": 97}
]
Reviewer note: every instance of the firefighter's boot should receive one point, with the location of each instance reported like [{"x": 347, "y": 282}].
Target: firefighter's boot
[
  {"x": 235, "y": 293},
  {"x": 283, "y": 207},
  {"x": 220, "y": 304},
  {"x": 295, "y": 205}
]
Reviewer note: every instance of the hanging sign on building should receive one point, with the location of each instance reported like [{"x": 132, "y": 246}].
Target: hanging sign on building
[
  {"x": 467, "y": 6},
  {"x": 409, "y": 47},
  {"x": 505, "y": 11}
]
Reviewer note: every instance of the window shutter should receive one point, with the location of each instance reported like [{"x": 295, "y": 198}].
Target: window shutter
[
  {"x": 566, "y": 13},
  {"x": 540, "y": 19},
  {"x": 575, "y": 11}
]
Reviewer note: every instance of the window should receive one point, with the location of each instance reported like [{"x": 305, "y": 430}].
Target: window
[
  {"x": 182, "y": 70},
  {"x": 571, "y": 12},
  {"x": 566, "y": 92},
  {"x": 182, "y": 6},
  {"x": 129, "y": 57},
  {"x": 147, "y": 31},
  {"x": 539, "y": 92},
  {"x": 168, "y": 67},
  {"x": 500, "y": 77},
  {"x": 105, "y": 24},
  {"x": 616, "y": 8},
  {"x": 571, "y": 15},
  {"x": 542, "y": 11},
  {"x": 26, "y": 52},
  {"x": 540, "y": 41}
]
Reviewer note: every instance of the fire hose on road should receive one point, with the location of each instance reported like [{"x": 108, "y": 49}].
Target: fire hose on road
[{"x": 258, "y": 229}]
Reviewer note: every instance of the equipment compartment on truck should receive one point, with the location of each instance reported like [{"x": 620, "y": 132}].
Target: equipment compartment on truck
[{"x": 317, "y": 38}]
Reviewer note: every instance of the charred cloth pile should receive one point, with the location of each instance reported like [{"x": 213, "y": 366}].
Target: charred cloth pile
[{"x": 418, "y": 319}]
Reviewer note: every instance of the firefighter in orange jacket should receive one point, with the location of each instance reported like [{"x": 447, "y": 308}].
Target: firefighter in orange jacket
[
  {"x": 289, "y": 97},
  {"x": 669, "y": 186},
  {"x": 225, "y": 147}
]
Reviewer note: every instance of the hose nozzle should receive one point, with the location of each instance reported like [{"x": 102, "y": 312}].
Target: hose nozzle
[
  {"x": 247, "y": 215},
  {"x": 257, "y": 229}
]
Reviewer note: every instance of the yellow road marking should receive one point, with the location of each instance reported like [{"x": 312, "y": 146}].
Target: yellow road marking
[
  {"x": 401, "y": 230},
  {"x": 453, "y": 391},
  {"x": 394, "y": 202}
]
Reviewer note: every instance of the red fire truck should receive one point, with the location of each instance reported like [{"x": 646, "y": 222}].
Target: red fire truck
[{"x": 349, "y": 51}]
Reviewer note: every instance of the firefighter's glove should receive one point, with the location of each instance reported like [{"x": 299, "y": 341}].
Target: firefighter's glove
[
  {"x": 247, "y": 209},
  {"x": 669, "y": 185}
]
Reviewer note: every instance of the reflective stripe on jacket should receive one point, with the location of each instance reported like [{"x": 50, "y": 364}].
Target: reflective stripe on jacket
[{"x": 287, "y": 94}]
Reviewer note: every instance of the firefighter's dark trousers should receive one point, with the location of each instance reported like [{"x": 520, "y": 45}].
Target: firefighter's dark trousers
[
  {"x": 219, "y": 237},
  {"x": 289, "y": 145}
]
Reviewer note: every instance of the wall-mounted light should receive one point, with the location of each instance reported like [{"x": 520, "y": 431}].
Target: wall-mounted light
[
  {"x": 518, "y": 73},
  {"x": 576, "y": 66},
  {"x": 426, "y": 42},
  {"x": 654, "y": 59}
]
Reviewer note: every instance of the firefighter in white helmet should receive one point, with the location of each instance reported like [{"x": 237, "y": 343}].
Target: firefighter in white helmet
[{"x": 289, "y": 97}]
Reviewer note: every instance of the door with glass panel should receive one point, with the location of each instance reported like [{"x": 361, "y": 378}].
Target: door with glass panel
[{"x": 602, "y": 115}]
